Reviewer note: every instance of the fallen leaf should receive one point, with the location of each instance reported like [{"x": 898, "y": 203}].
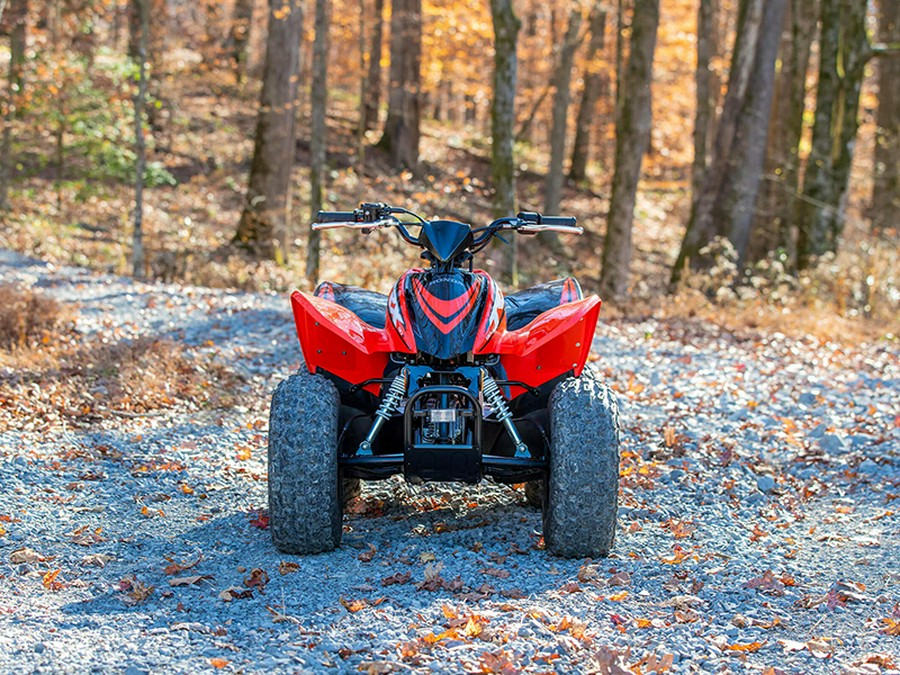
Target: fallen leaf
[
  {"x": 260, "y": 518},
  {"x": 96, "y": 559},
  {"x": 25, "y": 556},
  {"x": 495, "y": 572},
  {"x": 218, "y": 663},
  {"x": 368, "y": 554},
  {"x": 821, "y": 648},
  {"x": 258, "y": 578},
  {"x": 354, "y": 606},
  {"x": 135, "y": 591},
  {"x": 49, "y": 581},
  {"x": 285, "y": 567},
  {"x": 750, "y": 647},
  {"x": 767, "y": 583},
  {"x": 235, "y": 593},
  {"x": 189, "y": 581},
  {"x": 398, "y": 578},
  {"x": 176, "y": 568}
]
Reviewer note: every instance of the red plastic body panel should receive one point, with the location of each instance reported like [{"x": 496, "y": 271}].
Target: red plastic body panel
[
  {"x": 557, "y": 341},
  {"x": 335, "y": 339}
]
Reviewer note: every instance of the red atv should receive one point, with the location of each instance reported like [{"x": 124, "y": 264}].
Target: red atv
[{"x": 445, "y": 379}]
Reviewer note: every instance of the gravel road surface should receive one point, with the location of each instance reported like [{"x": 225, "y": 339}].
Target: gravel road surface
[{"x": 759, "y": 524}]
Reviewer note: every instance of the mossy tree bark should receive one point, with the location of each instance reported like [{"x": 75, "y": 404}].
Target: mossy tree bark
[
  {"x": 264, "y": 222},
  {"x": 241, "y": 23},
  {"x": 503, "y": 117},
  {"x": 885, "y": 204},
  {"x": 633, "y": 119},
  {"x": 773, "y": 227},
  {"x": 843, "y": 52}
]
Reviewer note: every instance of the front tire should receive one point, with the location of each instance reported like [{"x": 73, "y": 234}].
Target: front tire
[
  {"x": 305, "y": 514},
  {"x": 583, "y": 490}
]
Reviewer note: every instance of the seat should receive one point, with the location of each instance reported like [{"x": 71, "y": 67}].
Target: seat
[
  {"x": 524, "y": 307},
  {"x": 369, "y": 306}
]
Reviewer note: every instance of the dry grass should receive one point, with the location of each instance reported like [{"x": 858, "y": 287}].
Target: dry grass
[
  {"x": 50, "y": 375},
  {"x": 28, "y": 318}
]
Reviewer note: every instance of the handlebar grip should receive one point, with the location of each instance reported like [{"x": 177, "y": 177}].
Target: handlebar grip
[
  {"x": 564, "y": 221},
  {"x": 336, "y": 216}
]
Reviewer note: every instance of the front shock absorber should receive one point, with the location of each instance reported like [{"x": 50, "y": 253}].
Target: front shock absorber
[
  {"x": 388, "y": 407},
  {"x": 494, "y": 397}
]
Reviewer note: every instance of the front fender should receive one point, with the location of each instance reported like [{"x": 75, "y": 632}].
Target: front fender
[
  {"x": 554, "y": 343},
  {"x": 334, "y": 339}
]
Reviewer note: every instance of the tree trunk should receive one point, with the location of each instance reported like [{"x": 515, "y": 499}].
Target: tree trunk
[
  {"x": 593, "y": 87},
  {"x": 725, "y": 205},
  {"x": 373, "y": 78},
  {"x": 264, "y": 222},
  {"x": 843, "y": 52},
  {"x": 776, "y": 205},
  {"x": 707, "y": 82},
  {"x": 401, "y": 129},
  {"x": 317, "y": 144},
  {"x": 885, "y": 204},
  {"x": 137, "y": 242},
  {"x": 17, "y": 17},
  {"x": 562, "y": 83},
  {"x": 503, "y": 116},
  {"x": 620, "y": 50},
  {"x": 241, "y": 23},
  {"x": 633, "y": 121}
]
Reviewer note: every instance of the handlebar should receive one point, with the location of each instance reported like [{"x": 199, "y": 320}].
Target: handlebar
[{"x": 375, "y": 216}]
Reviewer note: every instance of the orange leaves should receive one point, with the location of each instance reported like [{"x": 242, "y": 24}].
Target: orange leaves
[
  {"x": 680, "y": 529},
  {"x": 354, "y": 606},
  {"x": 218, "y": 663},
  {"x": 244, "y": 453},
  {"x": 678, "y": 556},
  {"x": 891, "y": 626},
  {"x": 745, "y": 648},
  {"x": 50, "y": 583}
]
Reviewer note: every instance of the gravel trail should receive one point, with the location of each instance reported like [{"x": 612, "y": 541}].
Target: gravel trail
[{"x": 758, "y": 527}]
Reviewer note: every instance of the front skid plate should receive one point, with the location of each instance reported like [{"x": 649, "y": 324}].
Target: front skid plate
[{"x": 504, "y": 469}]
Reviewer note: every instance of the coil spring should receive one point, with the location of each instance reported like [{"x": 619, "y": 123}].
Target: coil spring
[
  {"x": 393, "y": 397},
  {"x": 494, "y": 396}
]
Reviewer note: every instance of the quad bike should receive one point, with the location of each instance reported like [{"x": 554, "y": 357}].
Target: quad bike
[{"x": 445, "y": 379}]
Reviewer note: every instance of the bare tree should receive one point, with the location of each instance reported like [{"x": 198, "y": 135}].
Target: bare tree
[
  {"x": 318, "y": 144},
  {"x": 503, "y": 116},
  {"x": 372, "y": 98},
  {"x": 633, "y": 119},
  {"x": 562, "y": 83},
  {"x": 17, "y": 16},
  {"x": 266, "y": 211},
  {"x": 776, "y": 203},
  {"x": 707, "y": 83},
  {"x": 885, "y": 204},
  {"x": 594, "y": 84},
  {"x": 142, "y": 10},
  {"x": 843, "y": 52},
  {"x": 241, "y": 24},
  {"x": 725, "y": 205},
  {"x": 401, "y": 129}
]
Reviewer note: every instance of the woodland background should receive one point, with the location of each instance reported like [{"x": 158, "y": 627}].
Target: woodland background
[{"x": 736, "y": 160}]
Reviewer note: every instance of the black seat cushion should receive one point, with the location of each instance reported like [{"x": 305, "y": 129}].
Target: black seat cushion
[
  {"x": 524, "y": 307},
  {"x": 368, "y": 305}
]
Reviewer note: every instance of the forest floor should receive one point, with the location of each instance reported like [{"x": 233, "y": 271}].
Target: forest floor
[{"x": 758, "y": 526}]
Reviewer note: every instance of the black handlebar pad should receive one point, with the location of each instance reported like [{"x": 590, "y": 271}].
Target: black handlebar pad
[
  {"x": 558, "y": 220},
  {"x": 336, "y": 216}
]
